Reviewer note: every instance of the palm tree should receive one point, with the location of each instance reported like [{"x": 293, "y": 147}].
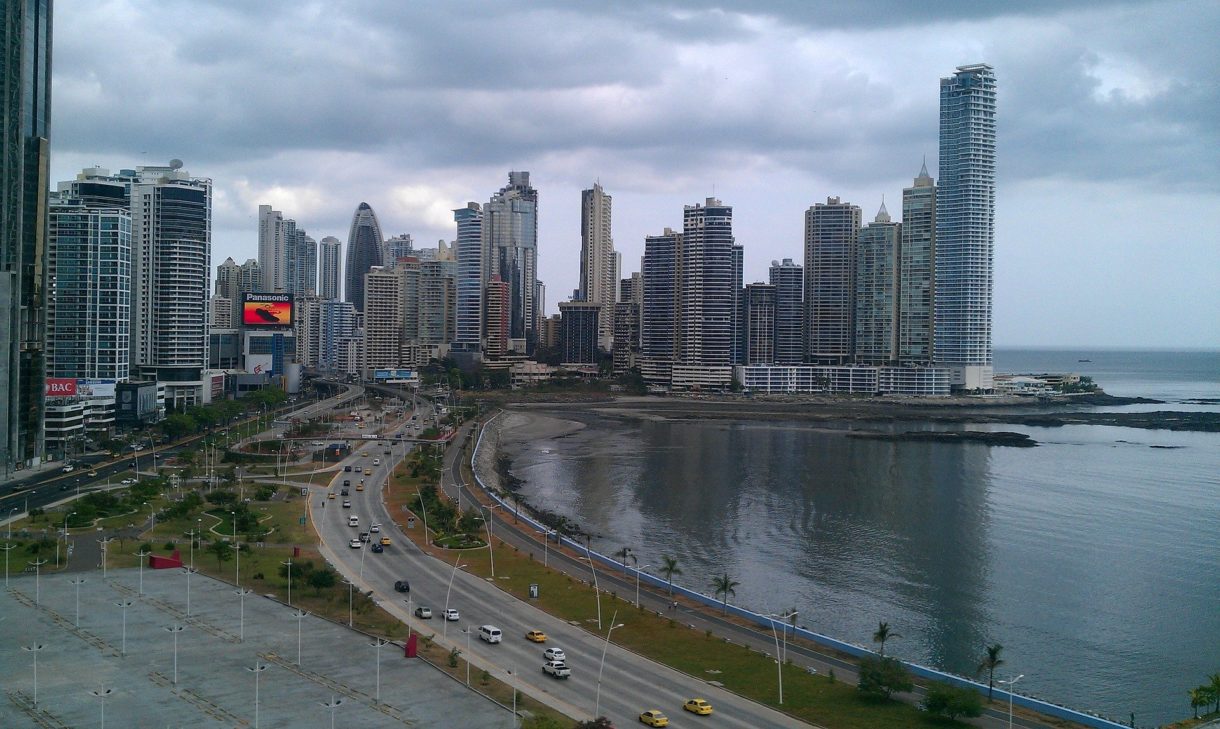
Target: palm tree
[
  {"x": 725, "y": 585},
  {"x": 882, "y": 635},
  {"x": 991, "y": 662},
  {"x": 1200, "y": 696},
  {"x": 622, "y": 555},
  {"x": 669, "y": 566}
]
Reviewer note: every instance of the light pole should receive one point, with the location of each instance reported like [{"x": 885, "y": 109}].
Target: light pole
[
  {"x": 188, "y": 571},
  {"x": 289, "y": 565},
  {"x": 194, "y": 535},
  {"x": 35, "y": 648},
  {"x": 241, "y": 620},
  {"x": 10, "y": 522},
  {"x": 141, "y": 555},
  {"x": 596, "y": 590},
  {"x": 350, "y": 584},
  {"x": 779, "y": 660},
  {"x": 597, "y": 704},
  {"x": 8, "y": 547},
  {"x": 37, "y": 565},
  {"x": 1010, "y": 683},
  {"x": 175, "y": 629},
  {"x": 300, "y": 615},
  {"x": 78, "y": 581},
  {"x": 237, "y": 557},
  {"x": 65, "y": 541},
  {"x": 445, "y": 626},
  {"x": 256, "y": 669},
  {"x": 423, "y": 511},
  {"x": 491, "y": 551},
  {"x": 332, "y": 705},
  {"x": 105, "y": 544},
  {"x": 102, "y": 694},
  {"x": 636, "y": 562},
  {"x": 124, "y": 604},
  {"x": 376, "y": 644}
]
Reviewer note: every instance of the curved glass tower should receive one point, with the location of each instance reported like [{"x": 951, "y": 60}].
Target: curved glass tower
[{"x": 364, "y": 246}]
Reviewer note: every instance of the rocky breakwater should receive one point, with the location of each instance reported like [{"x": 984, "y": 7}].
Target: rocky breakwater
[{"x": 998, "y": 438}]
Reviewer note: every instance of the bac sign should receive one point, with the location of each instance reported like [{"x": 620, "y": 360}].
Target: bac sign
[{"x": 61, "y": 386}]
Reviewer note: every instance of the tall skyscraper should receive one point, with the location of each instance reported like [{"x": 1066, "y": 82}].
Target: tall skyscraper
[
  {"x": 25, "y": 82},
  {"x": 831, "y": 229},
  {"x": 759, "y": 324},
  {"x": 384, "y": 325},
  {"x": 789, "y": 282},
  {"x": 251, "y": 277},
  {"x": 510, "y": 245},
  {"x": 598, "y": 260},
  {"x": 273, "y": 244},
  {"x": 329, "y": 267},
  {"x": 662, "y": 286},
  {"x": 89, "y": 306},
  {"x": 707, "y": 314},
  {"x": 497, "y": 317},
  {"x": 578, "y": 327},
  {"x": 364, "y": 250},
  {"x": 965, "y": 226},
  {"x": 304, "y": 265},
  {"x": 469, "y": 248},
  {"x": 916, "y": 269},
  {"x": 876, "y": 300}
]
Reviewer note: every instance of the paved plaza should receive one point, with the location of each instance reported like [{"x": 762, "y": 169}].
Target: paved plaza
[{"x": 213, "y": 687}]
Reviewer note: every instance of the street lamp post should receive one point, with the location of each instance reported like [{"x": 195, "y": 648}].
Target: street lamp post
[
  {"x": 779, "y": 660},
  {"x": 256, "y": 669},
  {"x": 105, "y": 545},
  {"x": 491, "y": 551},
  {"x": 1011, "y": 682},
  {"x": 78, "y": 581},
  {"x": 332, "y": 705},
  {"x": 65, "y": 541},
  {"x": 467, "y": 631},
  {"x": 10, "y": 522},
  {"x": 8, "y": 547},
  {"x": 35, "y": 648},
  {"x": 141, "y": 555},
  {"x": 102, "y": 694},
  {"x": 188, "y": 571},
  {"x": 350, "y": 584},
  {"x": 124, "y": 604},
  {"x": 241, "y": 619},
  {"x": 289, "y": 565},
  {"x": 423, "y": 511},
  {"x": 596, "y": 590},
  {"x": 300, "y": 615},
  {"x": 376, "y": 644},
  {"x": 175, "y": 629},
  {"x": 597, "y": 704},
  {"x": 445, "y": 626},
  {"x": 37, "y": 565}
]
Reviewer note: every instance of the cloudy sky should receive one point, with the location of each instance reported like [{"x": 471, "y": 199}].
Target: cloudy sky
[{"x": 1108, "y": 202}]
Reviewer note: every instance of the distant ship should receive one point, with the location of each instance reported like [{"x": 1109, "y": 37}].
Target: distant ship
[{"x": 1084, "y": 360}]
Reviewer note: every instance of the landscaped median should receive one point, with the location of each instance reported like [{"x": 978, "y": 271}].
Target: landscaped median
[{"x": 819, "y": 699}]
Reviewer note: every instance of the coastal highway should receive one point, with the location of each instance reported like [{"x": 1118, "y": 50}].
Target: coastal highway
[{"x": 630, "y": 684}]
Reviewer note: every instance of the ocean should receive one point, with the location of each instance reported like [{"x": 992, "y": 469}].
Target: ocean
[{"x": 1092, "y": 558}]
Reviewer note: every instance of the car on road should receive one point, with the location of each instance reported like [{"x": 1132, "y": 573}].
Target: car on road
[
  {"x": 376, "y": 461},
  {"x": 555, "y": 654},
  {"x": 537, "y": 636},
  {"x": 69, "y": 469},
  {"x": 384, "y": 541},
  {"x": 423, "y": 613},
  {"x": 330, "y": 495},
  {"x": 698, "y": 706},
  {"x": 347, "y": 468},
  {"x": 355, "y": 544},
  {"x": 375, "y": 528},
  {"x": 360, "y": 486},
  {"x": 558, "y": 669},
  {"x": 387, "y": 452},
  {"x": 347, "y": 482},
  {"x": 344, "y": 492},
  {"x": 364, "y": 536},
  {"x": 93, "y": 473},
  {"x": 653, "y": 717},
  {"x": 377, "y": 548},
  {"x": 347, "y": 504},
  {"x": 128, "y": 481},
  {"x": 368, "y": 472},
  {"x": 402, "y": 586},
  {"x": 452, "y": 615}
]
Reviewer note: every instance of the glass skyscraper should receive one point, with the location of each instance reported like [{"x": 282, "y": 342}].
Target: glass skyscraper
[
  {"x": 365, "y": 245},
  {"x": 25, "y": 85},
  {"x": 510, "y": 244},
  {"x": 965, "y": 226}
]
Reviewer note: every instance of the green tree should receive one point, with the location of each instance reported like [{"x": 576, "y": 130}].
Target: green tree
[
  {"x": 669, "y": 567},
  {"x": 322, "y": 579},
  {"x": 1215, "y": 689},
  {"x": 880, "y": 677},
  {"x": 622, "y": 555},
  {"x": 952, "y": 701},
  {"x": 724, "y": 585},
  {"x": 222, "y": 551},
  {"x": 1200, "y": 696},
  {"x": 882, "y": 634},
  {"x": 178, "y": 425},
  {"x": 990, "y": 662}
]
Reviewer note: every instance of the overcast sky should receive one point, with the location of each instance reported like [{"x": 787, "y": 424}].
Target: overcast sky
[{"x": 1108, "y": 190}]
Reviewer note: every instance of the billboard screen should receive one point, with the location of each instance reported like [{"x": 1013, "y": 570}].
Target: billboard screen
[
  {"x": 61, "y": 387},
  {"x": 266, "y": 310},
  {"x": 393, "y": 374},
  {"x": 96, "y": 388}
]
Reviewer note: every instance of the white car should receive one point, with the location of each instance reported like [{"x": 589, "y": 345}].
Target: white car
[
  {"x": 555, "y": 654},
  {"x": 375, "y": 528},
  {"x": 355, "y": 544},
  {"x": 452, "y": 615}
]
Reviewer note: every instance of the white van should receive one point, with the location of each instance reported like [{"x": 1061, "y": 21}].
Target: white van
[
  {"x": 490, "y": 633},
  {"x": 353, "y": 521}
]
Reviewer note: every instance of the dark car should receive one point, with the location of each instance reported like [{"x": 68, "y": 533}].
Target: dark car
[
  {"x": 402, "y": 585},
  {"x": 378, "y": 547},
  {"x": 347, "y": 468},
  {"x": 347, "y": 482},
  {"x": 364, "y": 536},
  {"x": 344, "y": 492}
]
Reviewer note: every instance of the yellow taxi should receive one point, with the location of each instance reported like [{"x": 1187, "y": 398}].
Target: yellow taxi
[
  {"x": 360, "y": 486},
  {"x": 698, "y": 706},
  {"x": 385, "y": 542},
  {"x": 536, "y": 636},
  {"x": 368, "y": 472},
  {"x": 653, "y": 717},
  {"x": 330, "y": 495}
]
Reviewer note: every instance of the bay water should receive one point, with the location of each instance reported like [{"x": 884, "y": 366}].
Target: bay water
[{"x": 1093, "y": 558}]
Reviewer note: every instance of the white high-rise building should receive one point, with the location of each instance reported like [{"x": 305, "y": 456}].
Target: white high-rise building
[
  {"x": 272, "y": 250},
  {"x": 710, "y": 276},
  {"x": 598, "y": 260},
  {"x": 965, "y": 226},
  {"x": 330, "y": 252}
]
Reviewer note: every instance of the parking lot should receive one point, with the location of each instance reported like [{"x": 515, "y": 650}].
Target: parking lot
[{"x": 132, "y": 669}]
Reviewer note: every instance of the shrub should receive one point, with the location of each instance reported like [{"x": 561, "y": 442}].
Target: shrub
[
  {"x": 952, "y": 701},
  {"x": 880, "y": 677}
]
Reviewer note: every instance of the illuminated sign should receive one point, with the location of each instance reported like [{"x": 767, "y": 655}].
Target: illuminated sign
[
  {"x": 61, "y": 387},
  {"x": 393, "y": 374},
  {"x": 266, "y": 310}
]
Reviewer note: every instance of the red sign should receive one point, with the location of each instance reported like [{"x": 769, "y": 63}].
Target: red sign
[{"x": 61, "y": 386}]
